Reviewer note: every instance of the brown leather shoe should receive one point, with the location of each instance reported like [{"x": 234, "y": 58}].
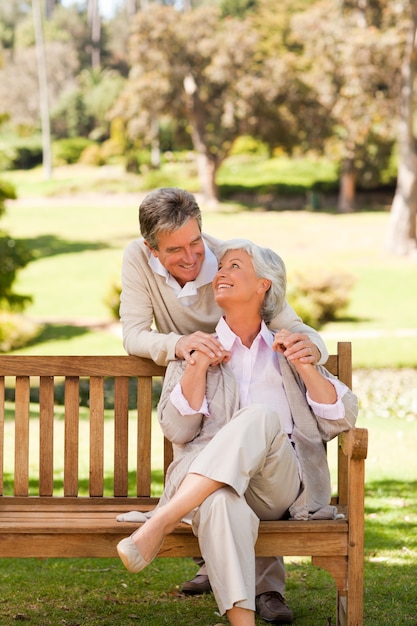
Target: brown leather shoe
[
  {"x": 199, "y": 584},
  {"x": 272, "y": 608}
]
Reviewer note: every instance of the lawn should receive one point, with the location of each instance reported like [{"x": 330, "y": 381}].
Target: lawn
[{"x": 79, "y": 240}]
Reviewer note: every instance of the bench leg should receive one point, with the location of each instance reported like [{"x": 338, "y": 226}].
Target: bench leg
[{"x": 349, "y": 585}]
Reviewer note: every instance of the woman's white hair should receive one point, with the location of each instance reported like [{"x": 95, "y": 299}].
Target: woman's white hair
[{"x": 267, "y": 264}]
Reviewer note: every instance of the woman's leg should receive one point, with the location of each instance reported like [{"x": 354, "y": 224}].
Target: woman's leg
[
  {"x": 241, "y": 617},
  {"x": 148, "y": 538}
]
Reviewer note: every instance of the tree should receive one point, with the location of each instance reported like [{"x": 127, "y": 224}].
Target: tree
[
  {"x": 350, "y": 52},
  {"x": 213, "y": 73},
  {"x": 401, "y": 237}
]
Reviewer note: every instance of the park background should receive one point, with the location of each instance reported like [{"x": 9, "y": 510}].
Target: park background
[{"x": 76, "y": 220}]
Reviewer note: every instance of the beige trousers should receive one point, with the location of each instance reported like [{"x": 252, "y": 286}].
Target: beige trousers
[{"x": 253, "y": 456}]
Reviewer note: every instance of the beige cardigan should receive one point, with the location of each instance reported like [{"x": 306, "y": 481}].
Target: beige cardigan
[
  {"x": 191, "y": 433},
  {"x": 153, "y": 319}
]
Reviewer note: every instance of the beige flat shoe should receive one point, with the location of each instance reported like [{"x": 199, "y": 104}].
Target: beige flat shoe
[{"x": 131, "y": 557}]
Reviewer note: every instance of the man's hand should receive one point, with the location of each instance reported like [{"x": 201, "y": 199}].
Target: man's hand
[
  {"x": 296, "y": 346},
  {"x": 203, "y": 342}
]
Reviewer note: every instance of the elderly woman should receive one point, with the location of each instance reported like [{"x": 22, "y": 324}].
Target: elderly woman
[{"x": 248, "y": 430}]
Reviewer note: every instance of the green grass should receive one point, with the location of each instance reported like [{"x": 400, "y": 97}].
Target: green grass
[
  {"x": 101, "y": 591},
  {"x": 79, "y": 240}
]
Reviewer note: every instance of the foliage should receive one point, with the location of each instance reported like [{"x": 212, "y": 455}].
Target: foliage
[
  {"x": 112, "y": 299},
  {"x": 223, "y": 85},
  {"x": 20, "y": 152},
  {"x": 14, "y": 255},
  {"x": 69, "y": 150},
  {"x": 319, "y": 297},
  {"x": 361, "y": 100},
  {"x": 16, "y": 331},
  {"x": 19, "y": 97}
]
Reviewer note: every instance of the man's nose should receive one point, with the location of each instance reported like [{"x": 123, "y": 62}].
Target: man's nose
[{"x": 189, "y": 255}]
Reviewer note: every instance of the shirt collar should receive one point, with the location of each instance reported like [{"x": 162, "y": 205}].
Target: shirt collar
[
  {"x": 206, "y": 275},
  {"x": 227, "y": 337}
]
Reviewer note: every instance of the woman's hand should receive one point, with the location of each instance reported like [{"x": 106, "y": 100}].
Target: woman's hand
[{"x": 296, "y": 347}]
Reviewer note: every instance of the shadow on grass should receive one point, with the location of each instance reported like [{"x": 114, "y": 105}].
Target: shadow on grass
[
  {"x": 390, "y": 516},
  {"x": 51, "y": 245}
]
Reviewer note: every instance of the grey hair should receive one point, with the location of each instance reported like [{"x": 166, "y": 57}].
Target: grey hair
[
  {"x": 166, "y": 210},
  {"x": 267, "y": 264}
]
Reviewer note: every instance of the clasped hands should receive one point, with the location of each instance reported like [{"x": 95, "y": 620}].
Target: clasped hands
[{"x": 294, "y": 346}]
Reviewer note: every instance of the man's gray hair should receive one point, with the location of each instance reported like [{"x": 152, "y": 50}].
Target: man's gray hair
[
  {"x": 166, "y": 210},
  {"x": 267, "y": 264}
]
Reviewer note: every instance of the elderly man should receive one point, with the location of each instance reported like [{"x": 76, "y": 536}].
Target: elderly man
[{"x": 168, "y": 311}]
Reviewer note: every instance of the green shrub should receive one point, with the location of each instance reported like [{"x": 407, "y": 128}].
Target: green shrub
[
  {"x": 319, "y": 297},
  {"x": 14, "y": 255},
  {"x": 7, "y": 192},
  {"x": 23, "y": 154},
  {"x": 16, "y": 331},
  {"x": 112, "y": 299},
  {"x": 92, "y": 155},
  {"x": 249, "y": 145},
  {"x": 69, "y": 150}
]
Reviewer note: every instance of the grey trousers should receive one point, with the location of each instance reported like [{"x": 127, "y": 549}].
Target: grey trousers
[{"x": 254, "y": 458}]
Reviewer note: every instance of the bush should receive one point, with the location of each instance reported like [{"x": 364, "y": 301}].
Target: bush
[
  {"x": 92, "y": 155},
  {"x": 319, "y": 297},
  {"x": 112, "y": 299},
  {"x": 14, "y": 255},
  {"x": 16, "y": 331},
  {"x": 69, "y": 150},
  {"x": 21, "y": 155}
]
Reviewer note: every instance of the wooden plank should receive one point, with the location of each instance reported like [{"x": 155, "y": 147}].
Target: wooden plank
[
  {"x": 78, "y": 366},
  {"x": 121, "y": 435},
  {"x": 96, "y": 486},
  {"x": 144, "y": 436},
  {"x": 2, "y": 414},
  {"x": 72, "y": 413},
  {"x": 21, "y": 447},
  {"x": 46, "y": 436}
]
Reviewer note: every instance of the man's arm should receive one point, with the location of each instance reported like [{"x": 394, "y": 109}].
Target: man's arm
[{"x": 137, "y": 312}]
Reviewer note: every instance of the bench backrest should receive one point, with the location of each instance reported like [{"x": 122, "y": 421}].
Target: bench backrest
[{"x": 45, "y": 374}]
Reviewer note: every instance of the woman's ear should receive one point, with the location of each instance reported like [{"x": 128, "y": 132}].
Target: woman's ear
[{"x": 265, "y": 285}]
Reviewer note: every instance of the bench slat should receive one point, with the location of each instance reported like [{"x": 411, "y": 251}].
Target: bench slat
[
  {"x": 96, "y": 487},
  {"x": 46, "y": 435},
  {"x": 72, "y": 414},
  {"x": 121, "y": 435},
  {"x": 21, "y": 469}
]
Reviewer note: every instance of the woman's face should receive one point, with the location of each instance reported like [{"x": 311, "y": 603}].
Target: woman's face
[{"x": 236, "y": 281}]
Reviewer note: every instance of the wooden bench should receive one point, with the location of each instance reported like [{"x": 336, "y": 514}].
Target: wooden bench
[{"x": 36, "y": 521}]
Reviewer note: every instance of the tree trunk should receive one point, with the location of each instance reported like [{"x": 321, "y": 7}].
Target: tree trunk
[
  {"x": 94, "y": 20},
  {"x": 347, "y": 193},
  {"x": 207, "y": 164},
  {"x": 401, "y": 236},
  {"x": 207, "y": 169},
  {"x": 43, "y": 89}
]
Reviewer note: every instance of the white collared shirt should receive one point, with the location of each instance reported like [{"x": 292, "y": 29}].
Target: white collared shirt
[
  {"x": 259, "y": 379},
  {"x": 187, "y": 294}
]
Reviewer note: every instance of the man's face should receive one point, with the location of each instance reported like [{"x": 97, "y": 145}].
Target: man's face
[{"x": 181, "y": 252}]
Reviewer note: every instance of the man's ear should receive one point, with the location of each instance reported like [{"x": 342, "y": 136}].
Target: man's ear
[{"x": 152, "y": 250}]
